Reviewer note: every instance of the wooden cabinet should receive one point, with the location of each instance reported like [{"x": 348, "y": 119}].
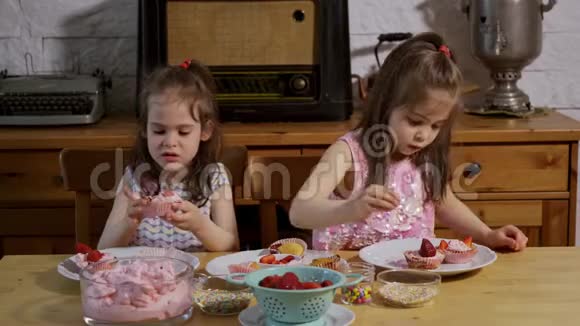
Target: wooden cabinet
[
  {"x": 508, "y": 171},
  {"x": 510, "y": 168}
]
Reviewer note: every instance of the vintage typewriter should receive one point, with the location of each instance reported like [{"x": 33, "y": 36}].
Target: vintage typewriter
[{"x": 52, "y": 99}]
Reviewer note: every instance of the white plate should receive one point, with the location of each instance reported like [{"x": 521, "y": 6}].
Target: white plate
[
  {"x": 389, "y": 254},
  {"x": 336, "y": 315},
  {"x": 70, "y": 270},
  {"x": 219, "y": 265}
]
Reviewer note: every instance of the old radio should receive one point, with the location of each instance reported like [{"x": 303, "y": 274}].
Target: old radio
[{"x": 272, "y": 60}]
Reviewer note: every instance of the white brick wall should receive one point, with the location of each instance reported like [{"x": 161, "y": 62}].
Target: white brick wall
[
  {"x": 63, "y": 35},
  {"x": 71, "y": 35}
]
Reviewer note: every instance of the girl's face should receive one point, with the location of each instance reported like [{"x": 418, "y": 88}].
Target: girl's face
[
  {"x": 414, "y": 128},
  {"x": 173, "y": 134}
]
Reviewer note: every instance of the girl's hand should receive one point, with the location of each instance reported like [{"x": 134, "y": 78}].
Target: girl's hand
[
  {"x": 186, "y": 216},
  {"x": 136, "y": 205},
  {"x": 373, "y": 198},
  {"x": 507, "y": 236}
]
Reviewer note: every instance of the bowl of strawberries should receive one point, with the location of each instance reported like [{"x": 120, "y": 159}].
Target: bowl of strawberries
[{"x": 295, "y": 294}]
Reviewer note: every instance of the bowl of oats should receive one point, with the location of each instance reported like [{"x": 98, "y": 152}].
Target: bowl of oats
[{"x": 406, "y": 288}]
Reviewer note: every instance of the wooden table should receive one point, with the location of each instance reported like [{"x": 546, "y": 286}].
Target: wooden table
[{"x": 536, "y": 287}]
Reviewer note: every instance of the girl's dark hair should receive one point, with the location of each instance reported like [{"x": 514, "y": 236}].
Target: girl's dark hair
[
  {"x": 193, "y": 84},
  {"x": 409, "y": 71}
]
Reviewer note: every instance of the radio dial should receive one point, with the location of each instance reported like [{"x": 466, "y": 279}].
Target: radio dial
[{"x": 299, "y": 83}]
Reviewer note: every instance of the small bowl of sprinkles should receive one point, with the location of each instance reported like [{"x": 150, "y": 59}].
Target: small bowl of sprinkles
[
  {"x": 215, "y": 296},
  {"x": 406, "y": 288}
]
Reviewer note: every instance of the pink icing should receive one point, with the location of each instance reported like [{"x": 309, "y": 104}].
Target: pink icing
[
  {"x": 166, "y": 197},
  {"x": 457, "y": 245},
  {"x": 160, "y": 204},
  {"x": 136, "y": 292}
]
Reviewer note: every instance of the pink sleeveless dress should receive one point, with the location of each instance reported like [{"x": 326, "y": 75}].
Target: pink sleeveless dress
[{"x": 414, "y": 218}]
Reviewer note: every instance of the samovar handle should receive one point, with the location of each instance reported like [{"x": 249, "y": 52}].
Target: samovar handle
[
  {"x": 547, "y": 7},
  {"x": 465, "y": 5}
]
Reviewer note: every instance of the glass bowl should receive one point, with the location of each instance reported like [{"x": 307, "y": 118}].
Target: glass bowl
[
  {"x": 137, "y": 290},
  {"x": 215, "y": 296},
  {"x": 406, "y": 288}
]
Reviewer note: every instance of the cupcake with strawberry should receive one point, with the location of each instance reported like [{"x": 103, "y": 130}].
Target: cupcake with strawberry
[
  {"x": 86, "y": 255},
  {"x": 457, "y": 251},
  {"x": 427, "y": 257}
]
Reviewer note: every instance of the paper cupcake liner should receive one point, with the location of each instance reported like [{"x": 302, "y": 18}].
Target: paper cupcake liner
[
  {"x": 102, "y": 266},
  {"x": 169, "y": 253},
  {"x": 246, "y": 267},
  {"x": 459, "y": 257},
  {"x": 157, "y": 209},
  {"x": 416, "y": 261},
  {"x": 301, "y": 242},
  {"x": 333, "y": 262}
]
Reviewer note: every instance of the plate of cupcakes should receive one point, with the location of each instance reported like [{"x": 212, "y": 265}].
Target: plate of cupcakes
[{"x": 442, "y": 256}]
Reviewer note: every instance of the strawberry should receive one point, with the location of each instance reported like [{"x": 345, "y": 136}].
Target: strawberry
[
  {"x": 274, "y": 248},
  {"x": 94, "y": 256},
  {"x": 468, "y": 241},
  {"x": 286, "y": 259},
  {"x": 276, "y": 279},
  {"x": 270, "y": 281},
  {"x": 267, "y": 282},
  {"x": 268, "y": 259},
  {"x": 427, "y": 249},
  {"x": 311, "y": 285},
  {"x": 168, "y": 193},
  {"x": 326, "y": 283},
  {"x": 289, "y": 281},
  {"x": 82, "y": 248},
  {"x": 443, "y": 245}
]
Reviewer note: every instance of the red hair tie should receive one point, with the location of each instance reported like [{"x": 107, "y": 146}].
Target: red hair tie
[
  {"x": 185, "y": 64},
  {"x": 445, "y": 50}
]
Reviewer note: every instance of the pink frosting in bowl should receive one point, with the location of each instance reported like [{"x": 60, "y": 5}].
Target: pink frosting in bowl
[{"x": 137, "y": 289}]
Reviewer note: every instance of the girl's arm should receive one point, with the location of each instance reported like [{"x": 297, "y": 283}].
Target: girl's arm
[
  {"x": 312, "y": 208},
  {"x": 221, "y": 234},
  {"x": 457, "y": 216},
  {"x": 452, "y": 213},
  {"x": 119, "y": 229}
]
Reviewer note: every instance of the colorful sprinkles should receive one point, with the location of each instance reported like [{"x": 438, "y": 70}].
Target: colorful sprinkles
[
  {"x": 357, "y": 294},
  {"x": 222, "y": 302}
]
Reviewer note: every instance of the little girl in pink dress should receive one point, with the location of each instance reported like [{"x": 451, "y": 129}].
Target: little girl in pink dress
[{"x": 414, "y": 218}]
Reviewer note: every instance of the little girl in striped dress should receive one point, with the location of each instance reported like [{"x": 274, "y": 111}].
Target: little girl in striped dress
[{"x": 175, "y": 162}]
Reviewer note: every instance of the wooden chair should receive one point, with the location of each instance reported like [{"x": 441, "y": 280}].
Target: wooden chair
[
  {"x": 106, "y": 166},
  {"x": 276, "y": 180}
]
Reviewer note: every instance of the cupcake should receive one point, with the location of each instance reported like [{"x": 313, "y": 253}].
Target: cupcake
[
  {"x": 160, "y": 205},
  {"x": 332, "y": 262},
  {"x": 245, "y": 267},
  {"x": 458, "y": 252},
  {"x": 87, "y": 256},
  {"x": 427, "y": 257},
  {"x": 291, "y": 246}
]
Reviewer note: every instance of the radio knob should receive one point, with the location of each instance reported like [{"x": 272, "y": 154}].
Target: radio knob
[{"x": 299, "y": 83}]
